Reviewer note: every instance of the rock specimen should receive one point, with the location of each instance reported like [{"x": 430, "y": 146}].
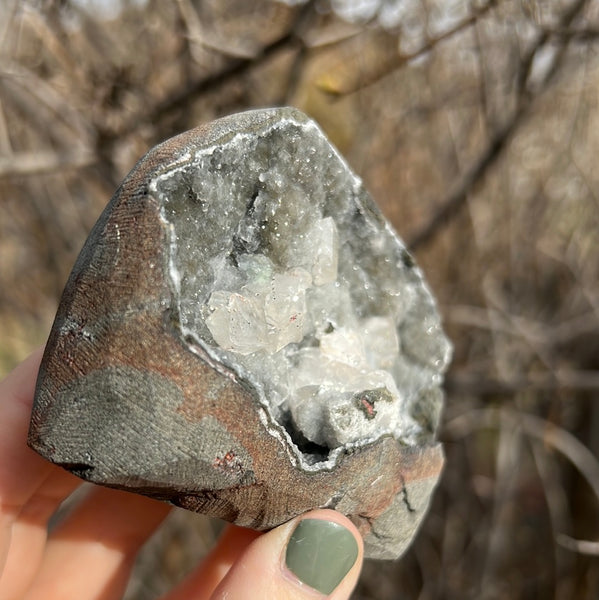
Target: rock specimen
[{"x": 244, "y": 335}]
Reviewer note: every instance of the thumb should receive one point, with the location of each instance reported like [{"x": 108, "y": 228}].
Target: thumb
[{"x": 316, "y": 555}]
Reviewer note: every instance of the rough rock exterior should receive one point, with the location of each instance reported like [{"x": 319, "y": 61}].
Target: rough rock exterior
[{"x": 244, "y": 335}]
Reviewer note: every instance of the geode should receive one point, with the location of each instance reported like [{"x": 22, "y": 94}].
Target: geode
[{"x": 244, "y": 335}]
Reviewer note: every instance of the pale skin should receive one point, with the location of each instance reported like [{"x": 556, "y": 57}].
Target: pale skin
[{"x": 90, "y": 554}]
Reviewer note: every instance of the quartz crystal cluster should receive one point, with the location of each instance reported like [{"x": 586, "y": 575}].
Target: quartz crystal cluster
[
  {"x": 335, "y": 380},
  {"x": 283, "y": 270}
]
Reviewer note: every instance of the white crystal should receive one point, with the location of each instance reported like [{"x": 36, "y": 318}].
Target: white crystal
[
  {"x": 237, "y": 322},
  {"x": 256, "y": 270},
  {"x": 266, "y": 313},
  {"x": 284, "y": 310},
  {"x": 323, "y": 241},
  {"x": 381, "y": 345},
  {"x": 312, "y": 367},
  {"x": 332, "y": 418},
  {"x": 344, "y": 345}
]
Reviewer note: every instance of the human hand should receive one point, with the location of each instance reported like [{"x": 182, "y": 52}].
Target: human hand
[{"x": 90, "y": 554}]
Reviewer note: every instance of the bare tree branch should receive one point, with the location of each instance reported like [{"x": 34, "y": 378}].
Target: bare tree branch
[
  {"x": 39, "y": 162},
  {"x": 547, "y": 433},
  {"x": 452, "y": 204},
  {"x": 580, "y": 546},
  {"x": 234, "y": 69},
  {"x": 465, "y": 382},
  {"x": 398, "y": 61}
]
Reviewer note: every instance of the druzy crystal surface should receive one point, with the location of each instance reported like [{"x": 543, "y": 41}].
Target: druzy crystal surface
[{"x": 283, "y": 271}]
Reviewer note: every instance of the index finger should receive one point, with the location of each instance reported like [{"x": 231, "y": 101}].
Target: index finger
[{"x": 22, "y": 471}]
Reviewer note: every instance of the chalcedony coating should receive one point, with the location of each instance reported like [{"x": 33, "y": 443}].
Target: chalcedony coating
[{"x": 245, "y": 335}]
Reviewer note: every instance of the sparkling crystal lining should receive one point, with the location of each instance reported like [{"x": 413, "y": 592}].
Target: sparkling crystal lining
[{"x": 283, "y": 269}]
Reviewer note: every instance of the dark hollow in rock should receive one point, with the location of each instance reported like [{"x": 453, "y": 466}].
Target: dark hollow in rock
[{"x": 244, "y": 335}]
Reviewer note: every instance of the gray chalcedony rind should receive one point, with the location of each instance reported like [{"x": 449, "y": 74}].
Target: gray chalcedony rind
[{"x": 244, "y": 335}]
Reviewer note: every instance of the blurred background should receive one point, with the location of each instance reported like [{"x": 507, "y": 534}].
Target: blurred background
[{"x": 475, "y": 126}]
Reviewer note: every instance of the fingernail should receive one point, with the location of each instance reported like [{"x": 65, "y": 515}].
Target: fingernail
[{"x": 321, "y": 553}]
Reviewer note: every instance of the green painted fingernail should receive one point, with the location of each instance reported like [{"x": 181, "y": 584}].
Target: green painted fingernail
[{"x": 321, "y": 553}]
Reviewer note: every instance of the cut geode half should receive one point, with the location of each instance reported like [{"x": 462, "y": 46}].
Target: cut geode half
[{"x": 244, "y": 335}]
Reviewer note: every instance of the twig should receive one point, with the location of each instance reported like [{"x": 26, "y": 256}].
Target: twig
[
  {"x": 198, "y": 37},
  {"x": 35, "y": 163},
  {"x": 472, "y": 383},
  {"x": 400, "y": 60},
  {"x": 580, "y": 546},
  {"x": 551, "y": 435},
  {"x": 457, "y": 197},
  {"x": 51, "y": 41},
  {"x": 46, "y": 96},
  {"x": 576, "y": 35},
  {"x": 542, "y": 333},
  {"x": 5, "y": 145},
  {"x": 7, "y": 11},
  {"x": 230, "y": 72},
  {"x": 559, "y": 515},
  {"x": 509, "y": 449}
]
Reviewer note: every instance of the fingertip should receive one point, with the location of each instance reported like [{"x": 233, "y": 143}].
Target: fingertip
[
  {"x": 323, "y": 552},
  {"x": 316, "y": 555},
  {"x": 328, "y": 514}
]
